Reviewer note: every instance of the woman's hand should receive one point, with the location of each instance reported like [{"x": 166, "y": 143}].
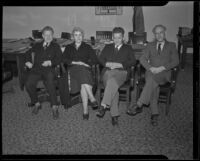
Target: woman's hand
[
  {"x": 46, "y": 63},
  {"x": 29, "y": 65},
  {"x": 80, "y": 63}
]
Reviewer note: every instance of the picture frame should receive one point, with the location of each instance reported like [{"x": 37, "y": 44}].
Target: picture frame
[{"x": 108, "y": 10}]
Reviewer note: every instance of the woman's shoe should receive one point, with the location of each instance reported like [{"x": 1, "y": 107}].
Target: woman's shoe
[
  {"x": 94, "y": 105},
  {"x": 86, "y": 116}
]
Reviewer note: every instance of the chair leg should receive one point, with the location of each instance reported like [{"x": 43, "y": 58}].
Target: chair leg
[
  {"x": 99, "y": 95},
  {"x": 127, "y": 96},
  {"x": 167, "y": 103},
  {"x": 138, "y": 91}
]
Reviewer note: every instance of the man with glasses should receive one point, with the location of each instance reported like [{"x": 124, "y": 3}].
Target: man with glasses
[{"x": 159, "y": 57}]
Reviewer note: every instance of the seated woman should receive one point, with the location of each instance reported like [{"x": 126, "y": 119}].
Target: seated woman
[{"x": 80, "y": 56}]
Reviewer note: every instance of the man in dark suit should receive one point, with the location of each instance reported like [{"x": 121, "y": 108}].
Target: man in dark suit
[
  {"x": 159, "y": 57},
  {"x": 46, "y": 56},
  {"x": 116, "y": 58}
]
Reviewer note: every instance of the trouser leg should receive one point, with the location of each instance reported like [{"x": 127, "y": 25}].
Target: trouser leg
[
  {"x": 50, "y": 85},
  {"x": 110, "y": 91},
  {"x": 64, "y": 89},
  {"x": 149, "y": 87},
  {"x": 154, "y": 101},
  {"x": 114, "y": 109},
  {"x": 31, "y": 85}
]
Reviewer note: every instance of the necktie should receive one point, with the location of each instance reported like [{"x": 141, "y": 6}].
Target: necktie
[
  {"x": 159, "y": 48},
  {"x": 116, "y": 49},
  {"x": 46, "y": 45}
]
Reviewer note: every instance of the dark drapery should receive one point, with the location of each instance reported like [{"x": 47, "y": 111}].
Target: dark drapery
[{"x": 138, "y": 20}]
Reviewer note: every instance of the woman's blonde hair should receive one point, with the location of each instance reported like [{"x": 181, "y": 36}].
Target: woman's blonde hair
[{"x": 77, "y": 29}]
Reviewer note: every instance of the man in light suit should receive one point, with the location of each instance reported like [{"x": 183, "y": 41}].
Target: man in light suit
[{"x": 159, "y": 57}]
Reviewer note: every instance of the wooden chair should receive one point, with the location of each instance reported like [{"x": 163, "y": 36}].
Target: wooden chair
[
  {"x": 104, "y": 35},
  {"x": 137, "y": 38},
  {"x": 37, "y": 34},
  {"x": 185, "y": 41},
  {"x": 166, "y": 90},
  {"x": 124, "y": 90},
  {"x": 65, "y": 35}
]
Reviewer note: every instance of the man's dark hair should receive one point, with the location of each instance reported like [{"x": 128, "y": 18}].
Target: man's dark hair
[
  {"x": 118, "y": 30},
  {"x": 47, "y": 28}
]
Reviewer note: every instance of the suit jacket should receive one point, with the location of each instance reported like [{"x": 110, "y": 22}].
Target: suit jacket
[
  {"x": 167, "y": 58},
  {"x": 125, "y": 56},
  {"x": 85, "y": 53},
  {"x": 52, "y": 52}
]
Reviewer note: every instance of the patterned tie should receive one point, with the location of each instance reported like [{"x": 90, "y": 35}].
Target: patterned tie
[{"x": 159, "y": 48}]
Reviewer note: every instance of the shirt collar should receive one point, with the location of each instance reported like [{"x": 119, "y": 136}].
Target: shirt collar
[
  {"x": 45, "y": 43},
  {"x": 162, "y": 43},
  {"x": 119, "y": 46}
]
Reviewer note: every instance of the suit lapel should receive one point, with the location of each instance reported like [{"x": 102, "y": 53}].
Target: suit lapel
[{"x": 165, "y": 47}]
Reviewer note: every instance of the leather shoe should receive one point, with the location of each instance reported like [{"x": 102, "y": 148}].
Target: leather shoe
[
  {"x": 115, "y": 120},
  {"x": 86, "y": 116},
  {"x": 101, "y": 111},
  {"x": 94, "y": 105},
  {"x": 31, "y": 104},
  {"x": 55, "y": 113},
  {"x": 136, "y": 109},
  {"x": 154, "y": 119},
  {"x": 36, "y": 109}
]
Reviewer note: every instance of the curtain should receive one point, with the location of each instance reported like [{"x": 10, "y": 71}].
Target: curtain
[{"x": 138, "y": 20}]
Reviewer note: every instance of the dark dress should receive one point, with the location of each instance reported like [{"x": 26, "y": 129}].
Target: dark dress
[{"x": 79, "y": 74}]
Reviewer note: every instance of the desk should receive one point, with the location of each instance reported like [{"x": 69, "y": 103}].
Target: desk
[
  {"x": 184, "y": 42},
  {"x": 15, "y": 50}
]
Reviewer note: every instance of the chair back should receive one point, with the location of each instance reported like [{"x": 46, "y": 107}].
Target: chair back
[
  {"x": 65, "y": 35},
  {"x": 104, "y": 35},
  {"x": 37, "y": 34},
  {"x": 184, "y": 31},
  {"x": 137, "y": 38}
]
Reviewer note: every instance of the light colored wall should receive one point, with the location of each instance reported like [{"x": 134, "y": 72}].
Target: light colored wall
[{"x": 18, "y": 22}]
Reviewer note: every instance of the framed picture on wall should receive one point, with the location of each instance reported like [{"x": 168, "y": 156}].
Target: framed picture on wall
[{"x": 108, "y": 10}]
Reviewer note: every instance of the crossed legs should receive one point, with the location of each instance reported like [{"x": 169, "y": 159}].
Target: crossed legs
[{"x": 86, "y": 93}]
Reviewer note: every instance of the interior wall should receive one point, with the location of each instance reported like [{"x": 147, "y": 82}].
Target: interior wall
[{"x": 18, "y": 22}]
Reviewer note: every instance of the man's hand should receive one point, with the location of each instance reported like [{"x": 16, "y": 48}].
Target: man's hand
[
  {"x": 156, "y": 70},
  {"x": 109, "y": 64},
  {"x": 113, "y": 65},
  {"x": 46, "y": 63},
  {"x": 117, "y": 65},
  {"x": 80, "y": 63},
  {"x": 29, "y": 65}
]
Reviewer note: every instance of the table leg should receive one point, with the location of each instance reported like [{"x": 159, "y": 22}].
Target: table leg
[
  {"x": 179, "y": 50},
  {"x": 183, "y": 58},
  {"x": 20, "y": 68}
]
